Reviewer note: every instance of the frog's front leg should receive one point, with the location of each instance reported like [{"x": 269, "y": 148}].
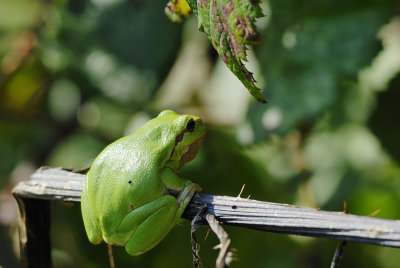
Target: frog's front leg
[
  {"x": 183, "y": 189},
  {"x": 173, "y": 182}
]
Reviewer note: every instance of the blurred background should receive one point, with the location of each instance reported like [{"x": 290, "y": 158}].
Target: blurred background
[{"x": 76, "y": 75}]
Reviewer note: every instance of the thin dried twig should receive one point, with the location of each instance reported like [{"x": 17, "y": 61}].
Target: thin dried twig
[
  {"x": 196, "y": 223},
  {"x": 338, "y": 255},
  {"x": 110, "y": 256},
  {"x": 224, "y": 257}
]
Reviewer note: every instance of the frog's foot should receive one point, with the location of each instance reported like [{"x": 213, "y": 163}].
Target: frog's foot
[
  {"x": 186, "y": 195},
  {"x": 188, "y": 182}
]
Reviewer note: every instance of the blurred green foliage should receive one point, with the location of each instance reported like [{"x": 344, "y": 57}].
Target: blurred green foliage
[{"x": 76, "y": 75}]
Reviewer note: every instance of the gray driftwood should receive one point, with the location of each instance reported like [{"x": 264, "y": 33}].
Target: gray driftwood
[{"x": 49, "y": 184}]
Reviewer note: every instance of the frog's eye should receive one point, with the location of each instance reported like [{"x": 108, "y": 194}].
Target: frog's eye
[{"x": 190, "y": 125}]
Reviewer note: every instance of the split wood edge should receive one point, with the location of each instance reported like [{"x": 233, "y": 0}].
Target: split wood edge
[{"x": 60, "y": 185}]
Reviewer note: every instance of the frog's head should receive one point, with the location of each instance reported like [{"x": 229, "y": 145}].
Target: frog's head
[{"x": 188, "y": 132}]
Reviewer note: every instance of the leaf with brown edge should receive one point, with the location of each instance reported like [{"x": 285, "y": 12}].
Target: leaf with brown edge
[{"x": 229, "y": 25}]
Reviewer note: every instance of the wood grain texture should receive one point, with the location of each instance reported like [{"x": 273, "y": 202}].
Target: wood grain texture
[
  {"x": 65, "y": 186},
  {"x": 34, "y": 232}
]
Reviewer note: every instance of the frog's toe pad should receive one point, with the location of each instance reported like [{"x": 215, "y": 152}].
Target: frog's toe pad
[{"x": 187, "y": 193}]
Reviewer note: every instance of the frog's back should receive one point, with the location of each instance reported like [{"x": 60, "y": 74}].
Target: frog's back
[{"x": 123, "y": 177}]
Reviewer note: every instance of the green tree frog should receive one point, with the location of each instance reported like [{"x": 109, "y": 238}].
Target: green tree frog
[{"x": 132, "y": 195}]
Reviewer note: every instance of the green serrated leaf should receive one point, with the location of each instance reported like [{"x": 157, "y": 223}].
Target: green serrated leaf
[
  {"x": 230, "y": 30},
  {"x": 229, "y": 24}
]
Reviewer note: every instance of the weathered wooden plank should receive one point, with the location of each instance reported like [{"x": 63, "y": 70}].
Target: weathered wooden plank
[
  {"x": 52, "y": 184},
  {"x": 34, "y": 232},
  {"x": 61, "y": 185},
  {"x": 296, "y": 220}
]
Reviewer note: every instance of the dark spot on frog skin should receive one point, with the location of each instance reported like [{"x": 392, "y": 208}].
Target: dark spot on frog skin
[{"x": 131, "y": 205}]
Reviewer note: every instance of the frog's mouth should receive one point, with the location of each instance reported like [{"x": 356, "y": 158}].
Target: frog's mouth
[{"x": 191, "y": 152}]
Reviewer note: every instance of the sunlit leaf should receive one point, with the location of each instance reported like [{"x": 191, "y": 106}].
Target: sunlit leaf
[{"x": 229, "y": 24}]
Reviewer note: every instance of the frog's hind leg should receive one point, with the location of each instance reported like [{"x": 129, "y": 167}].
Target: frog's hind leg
[
  {"x": 160, "y": 217},
  {"x": 91, "y": 228}
]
